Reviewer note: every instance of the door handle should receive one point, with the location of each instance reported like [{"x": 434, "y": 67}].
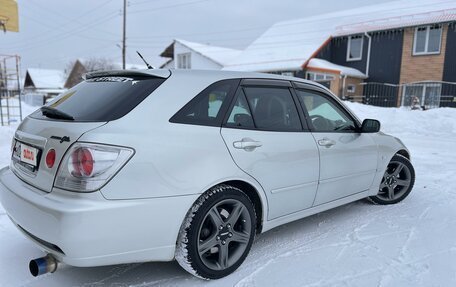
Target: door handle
[
  {"x": 247, "y": 144},
  {"x": 326, "y": 142}
]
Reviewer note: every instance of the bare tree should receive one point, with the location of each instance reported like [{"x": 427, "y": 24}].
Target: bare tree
[
  {"x": 99, "y": 64},
  {"x": 91, "y": 65},
  {"x": 76, "y": 68}
]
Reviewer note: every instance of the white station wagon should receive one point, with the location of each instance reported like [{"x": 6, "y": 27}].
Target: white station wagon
[{"x": 156, "y": 165}]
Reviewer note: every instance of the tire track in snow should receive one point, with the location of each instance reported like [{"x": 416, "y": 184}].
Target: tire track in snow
[
  {"x": 118, "y": 271},
  {"x": 272, "y": 257}
]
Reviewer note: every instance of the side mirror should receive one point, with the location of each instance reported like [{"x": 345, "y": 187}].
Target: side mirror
[{"x": 370, "y": 126}]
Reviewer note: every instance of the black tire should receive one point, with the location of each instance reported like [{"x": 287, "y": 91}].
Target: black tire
[
  {"x": 198, "y": 232},
  {"x": 390, "y": 191}
]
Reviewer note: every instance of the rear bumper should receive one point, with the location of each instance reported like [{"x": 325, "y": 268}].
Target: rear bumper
[{"x": 85, "y": 229}]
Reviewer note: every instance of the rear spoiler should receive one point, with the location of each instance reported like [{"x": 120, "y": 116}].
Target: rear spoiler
[{"x": 159, "y": 73}]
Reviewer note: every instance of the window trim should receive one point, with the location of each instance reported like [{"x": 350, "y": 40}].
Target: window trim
[
  {"x": 266, "y": 83},
  {"x": 349, "y": 45},
  {"x": 179, "y": 118},
  {"x": 426, "y": 43}
]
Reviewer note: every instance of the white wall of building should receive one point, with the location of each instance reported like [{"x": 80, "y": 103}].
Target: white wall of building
[
  {"x": 168, "y": 65},
  {"x": 197, "y": 60}
]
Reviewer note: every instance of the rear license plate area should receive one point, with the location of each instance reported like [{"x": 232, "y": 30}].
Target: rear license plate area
[{"x": 27, "y": 155}]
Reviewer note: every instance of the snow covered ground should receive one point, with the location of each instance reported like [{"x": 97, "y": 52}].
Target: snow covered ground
[{"x": 412, "y": 243}]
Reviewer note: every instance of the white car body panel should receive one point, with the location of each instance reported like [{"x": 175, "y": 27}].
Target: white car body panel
[
  {"x": 91, "y": 230},
  {"x": 36, "y": 133},
  {"x": 341, "y": 173},
  {"x": 287, "y": 169}
]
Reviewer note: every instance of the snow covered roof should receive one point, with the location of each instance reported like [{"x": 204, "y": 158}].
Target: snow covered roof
[
  {"x": 45, "y": 78},
  {"x": 217, "y": 54},
  {"x": 398, "y": 22},
  {"x": 290, "y": 44},
  {"x": 328, "y": 66}
]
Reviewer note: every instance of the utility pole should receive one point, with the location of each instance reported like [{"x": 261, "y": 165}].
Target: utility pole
[{"x": 124, "y": 33}]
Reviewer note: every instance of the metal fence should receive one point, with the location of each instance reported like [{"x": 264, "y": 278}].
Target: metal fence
[
  {"x": 10, "y": 107},
  {"x": 424, "y": 95}
]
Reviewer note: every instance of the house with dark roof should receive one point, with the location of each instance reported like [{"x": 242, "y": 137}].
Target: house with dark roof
[
  {"x": 82, "y": 66},
  {"x": 390, "y": 54}
]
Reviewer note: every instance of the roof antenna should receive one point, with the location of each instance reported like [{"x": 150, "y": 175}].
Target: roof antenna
[{"x": 147, "y": 64}]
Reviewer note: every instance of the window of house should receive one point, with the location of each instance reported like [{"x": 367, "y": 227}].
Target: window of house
[
  {"x": 289, "y": 74},
  {"x": 184, "y": 61},
  {"x": 319, "y": 76},
  {"x": 427, "y": 40},
  {"x": 351, "y": 88},
  {"x": 426, "y": 94},
  {"x": 355, "y": 48}
]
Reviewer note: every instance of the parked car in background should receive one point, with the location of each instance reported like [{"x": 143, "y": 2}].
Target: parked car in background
[{"x": 156, "y": 165}]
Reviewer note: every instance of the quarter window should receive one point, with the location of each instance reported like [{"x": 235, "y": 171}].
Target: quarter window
[
  {"x": 184, "y": 61},
  {"x": 206, "y": 108},
  {"x": 270, "y": 109},
  {"x": 427, "y": 40},
  {"x": 325, "y": 115},
  {"x": 355, "y": 48}
]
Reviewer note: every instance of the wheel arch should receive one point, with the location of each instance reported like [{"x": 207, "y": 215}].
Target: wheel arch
[
  {"x": 254, "y": 196},
  {"x": 404, "y": 153}
]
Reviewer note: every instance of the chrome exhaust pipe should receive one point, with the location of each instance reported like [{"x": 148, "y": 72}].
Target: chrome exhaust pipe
[{"x": 43, "y": 265}]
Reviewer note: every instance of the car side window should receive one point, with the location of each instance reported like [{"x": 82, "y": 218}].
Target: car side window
[
  {"x": 265, "y": 108},
  {"x": 206, "y": 107},
  {"x": 324, "y": 114},
  {"x": 240, "y": 115}
]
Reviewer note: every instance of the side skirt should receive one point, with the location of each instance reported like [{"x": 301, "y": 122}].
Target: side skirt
[{"x": 314, "y": 210}]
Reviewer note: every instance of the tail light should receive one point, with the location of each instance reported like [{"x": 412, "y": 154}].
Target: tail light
[
  {"x": 50, "y": 158},
  {"x": 88, "y": 167},
  {"x": 13, "y": 144}
]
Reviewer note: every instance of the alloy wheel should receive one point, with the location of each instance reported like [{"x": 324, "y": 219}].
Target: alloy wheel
[
  {"x": 395, "y": 181},
  {"x": 224, "y": 234}
]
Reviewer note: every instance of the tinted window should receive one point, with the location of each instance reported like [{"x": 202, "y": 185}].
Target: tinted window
[
  {"x": 240, "y": 115},
  {"x": 273, "y": 109},
  {"x": 104, "y": 98},
  {"x": 207, "y": 107},
  {"x": 325, "y": 115}
]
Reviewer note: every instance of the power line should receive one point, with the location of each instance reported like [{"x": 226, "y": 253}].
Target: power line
[
  {"x": 140, "y": 40},
  {"x": 65, "y": 34},
  {"x": 168, "y": 7},
  {"x": 53, "y": 29}
]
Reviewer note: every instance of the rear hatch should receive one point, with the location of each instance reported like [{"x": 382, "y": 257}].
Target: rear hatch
[{"x": 102, "y": 97}]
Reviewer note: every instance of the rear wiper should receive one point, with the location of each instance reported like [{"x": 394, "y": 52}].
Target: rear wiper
[{"x": 55, "y": 114}]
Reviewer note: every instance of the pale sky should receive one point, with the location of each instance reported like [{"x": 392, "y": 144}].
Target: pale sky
[{"x": 54, "y": 32}]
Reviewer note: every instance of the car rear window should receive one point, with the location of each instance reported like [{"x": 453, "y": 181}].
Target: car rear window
[{"x": 103, "y": 98}]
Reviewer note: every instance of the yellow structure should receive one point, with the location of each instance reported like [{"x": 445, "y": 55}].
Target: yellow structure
[{"x": 9, "y": 16}]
